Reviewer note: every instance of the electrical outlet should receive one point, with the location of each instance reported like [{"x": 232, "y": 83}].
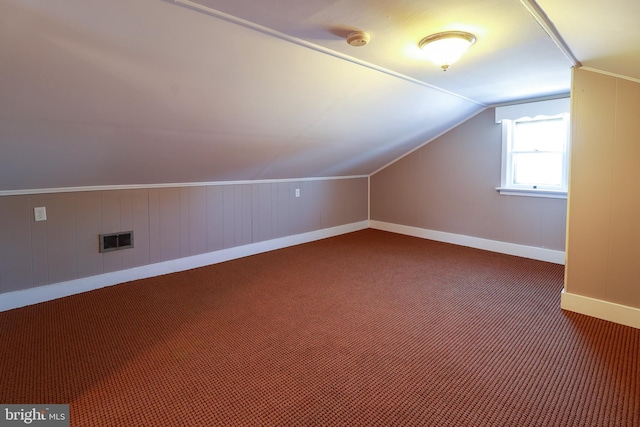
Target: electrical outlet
[
  {"x": 40, "y": 213},
  {"x": 297, "y": 192}
]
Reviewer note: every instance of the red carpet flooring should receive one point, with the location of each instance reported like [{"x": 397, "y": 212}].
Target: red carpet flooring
[{"x": 365, "y": 329}]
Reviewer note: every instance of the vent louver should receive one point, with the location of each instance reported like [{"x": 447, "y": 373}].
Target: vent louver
[{"x": 116, "y": 241}]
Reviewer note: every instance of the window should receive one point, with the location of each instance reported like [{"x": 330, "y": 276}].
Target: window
[{"x": 535, "y": 148}]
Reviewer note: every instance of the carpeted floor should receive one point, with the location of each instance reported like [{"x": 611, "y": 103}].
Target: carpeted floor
[{"x": 364, "y": 329}]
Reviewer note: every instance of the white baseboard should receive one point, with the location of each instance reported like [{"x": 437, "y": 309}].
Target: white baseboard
[
  {"x": 542, "y": 254},
  {"x": 16, "y": 299},
  {"x": 605, "y": 310},
  {"x": 617, "y": 313},
  {"x": 613, "y": 312}
]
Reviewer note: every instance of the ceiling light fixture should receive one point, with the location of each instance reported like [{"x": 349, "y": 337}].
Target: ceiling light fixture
[{"x": 446, "y": 48}]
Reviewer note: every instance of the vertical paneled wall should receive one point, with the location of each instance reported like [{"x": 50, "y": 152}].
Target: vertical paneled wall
[
  {"x": 168, "y": 223},
  {"x": 603, "y": 236},
  {"x": 449, "y": 185}
]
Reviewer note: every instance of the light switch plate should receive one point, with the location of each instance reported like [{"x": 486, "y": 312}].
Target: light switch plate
[{"x": 40, "y": 213}]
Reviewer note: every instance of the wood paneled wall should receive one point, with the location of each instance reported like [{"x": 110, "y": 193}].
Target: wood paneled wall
[
  {"x": 168, "y": 223},
  {"x": 603, "y": 235}
]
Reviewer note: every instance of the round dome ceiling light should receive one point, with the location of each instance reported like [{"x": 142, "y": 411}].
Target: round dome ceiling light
[
  {"x": 358, "y": 38},
  {"x": 446, "y": 48}
]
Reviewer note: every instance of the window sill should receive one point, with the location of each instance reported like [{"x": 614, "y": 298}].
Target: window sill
[{"x": 530, "y": 192}]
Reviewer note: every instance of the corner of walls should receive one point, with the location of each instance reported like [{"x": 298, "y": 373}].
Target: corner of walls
[
  {"x": 369, "y": 198},
  {"x": 465, "y": 119},
  {"x": 449, "y": 186}
]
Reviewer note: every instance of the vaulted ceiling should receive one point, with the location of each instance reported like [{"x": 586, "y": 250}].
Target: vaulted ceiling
[{"x": 119, "y": 92}]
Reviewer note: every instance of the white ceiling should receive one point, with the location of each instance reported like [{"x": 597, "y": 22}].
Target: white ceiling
[{"x": 116, "y": 92}]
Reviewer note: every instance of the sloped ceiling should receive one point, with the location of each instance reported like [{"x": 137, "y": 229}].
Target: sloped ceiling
[
  {"x": 604, "y": 36},
  {"x": 122, "y": 92}
]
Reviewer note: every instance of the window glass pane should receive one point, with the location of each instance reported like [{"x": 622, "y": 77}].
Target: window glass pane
[
  {"x": 539, "y": 135},
  {"x": 542, "y": 169}
]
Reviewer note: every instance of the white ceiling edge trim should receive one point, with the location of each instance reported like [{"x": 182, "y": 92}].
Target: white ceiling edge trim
[
  {"x": 547, "y": 25},
  {"x": 430, "y": 140},
  {"x": 269, "y": 31},
  {"x": 607, "y": 73},
  {"x": 166, "y": 185}
]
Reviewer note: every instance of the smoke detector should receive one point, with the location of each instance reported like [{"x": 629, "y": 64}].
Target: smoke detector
[{"x": 358, "y": 38}]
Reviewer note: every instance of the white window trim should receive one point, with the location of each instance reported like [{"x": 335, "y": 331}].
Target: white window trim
[
  {"x": 539, "y": 109},
  {"x": 531, "y": 192}
]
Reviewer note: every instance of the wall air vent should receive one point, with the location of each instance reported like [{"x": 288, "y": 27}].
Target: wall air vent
[{"x": 116, "y": 241}]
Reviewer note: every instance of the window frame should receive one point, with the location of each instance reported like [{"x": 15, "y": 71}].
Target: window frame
[{"x": 510, "y": 115}]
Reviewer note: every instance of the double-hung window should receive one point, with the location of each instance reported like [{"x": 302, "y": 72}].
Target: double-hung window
[{"x": 535, "y": 148}]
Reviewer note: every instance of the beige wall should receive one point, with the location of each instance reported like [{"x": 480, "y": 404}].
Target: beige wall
[
  {"x": 449, "y": 185},
  {"x": 603, "y": 236},
  {"x": 168, "y": 223}
]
